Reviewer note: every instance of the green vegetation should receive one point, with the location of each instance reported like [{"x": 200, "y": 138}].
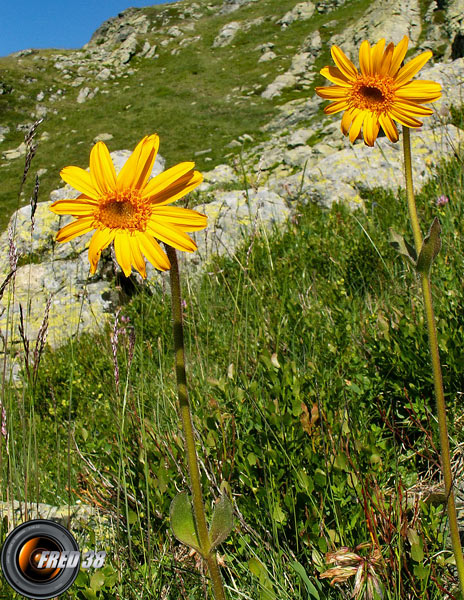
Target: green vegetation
[{"x": 313, "y": 401}]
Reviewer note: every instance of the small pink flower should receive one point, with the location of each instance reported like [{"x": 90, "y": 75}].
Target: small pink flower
[{"x": 442, "y": 200}]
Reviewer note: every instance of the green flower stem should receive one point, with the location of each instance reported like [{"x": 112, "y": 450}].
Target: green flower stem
[
  {"x": 192, "y": 460},
  {"x": 436, "y": 367}
]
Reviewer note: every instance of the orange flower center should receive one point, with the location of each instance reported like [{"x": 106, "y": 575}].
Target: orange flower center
[
  {"x": 123, "y": 210},
  {"x": 373, "y": 93}
]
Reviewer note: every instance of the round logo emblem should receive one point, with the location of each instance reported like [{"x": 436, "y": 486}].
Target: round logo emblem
[{"x": 40, "y": 559}]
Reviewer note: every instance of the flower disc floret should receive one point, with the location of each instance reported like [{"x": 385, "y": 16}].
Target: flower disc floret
[
  {"x": 130, "y": 209},
  {"x": 124, "y": 210},
  {"x": 380, "y": 92},
  {"x": 372, "y": 93}
]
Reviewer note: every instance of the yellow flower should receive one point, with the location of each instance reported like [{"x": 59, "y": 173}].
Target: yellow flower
[
  {"x": 130, "y": 210},
  {"x": 381, "y": 92}
]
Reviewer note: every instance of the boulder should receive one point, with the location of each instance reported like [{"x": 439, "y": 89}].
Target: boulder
[
  {"x": 300, "y": 12},
  {"x": 226, "y": 34}
]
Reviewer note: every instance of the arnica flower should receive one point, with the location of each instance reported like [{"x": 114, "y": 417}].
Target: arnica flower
[
  {"x": 130, "y": 209},
  {"x": 380, "y": 92}
]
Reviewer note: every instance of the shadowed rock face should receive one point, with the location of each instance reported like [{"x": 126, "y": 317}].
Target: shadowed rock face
[{"x": 457, "y": 48}]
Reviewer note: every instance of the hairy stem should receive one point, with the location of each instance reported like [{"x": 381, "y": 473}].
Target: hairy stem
[
  {"x": 436, "y": 367},
  {"x": 192, "y": 460}
]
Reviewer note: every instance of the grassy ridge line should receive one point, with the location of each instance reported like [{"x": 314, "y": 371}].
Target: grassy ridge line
[{"x": 197, "y": 99}]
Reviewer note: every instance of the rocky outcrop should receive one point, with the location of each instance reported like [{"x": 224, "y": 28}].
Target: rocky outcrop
[
  {"x": 444, "y": 29},
  {"x": 300, "y": 12},
  {"x": 230, "y": 6},
  {"x": 226, "y": 34},
  {"x": 389, "y": 19}
]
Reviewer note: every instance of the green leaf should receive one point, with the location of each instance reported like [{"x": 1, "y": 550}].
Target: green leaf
[
  {"x": 417, "y": 552},
  {"x": 222, "y": 522},
  {"x": 97, "y": 580},
  {"x": 430, "y": 248},
  {"x": 183, "y": 522},
  {"x": 300, "y": 570},
  {"x": 259, "y": 570},
  {"x": 256, "y": 567},
  {"x": 398, "y": 242}
]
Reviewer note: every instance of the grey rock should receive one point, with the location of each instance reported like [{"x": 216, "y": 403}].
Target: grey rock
[
  {"x": 281, "y": 82},
  {"x": 103, "y": 137},
  {"x": 174, "y": 31},
  {"x": 86, "y": 94},
  {"x": 389, "y": 19},
  {"x": 220, "y": 175},
  {"x": 126, "y": 50},
  {"x": 300, "y": 12},
  {"x": 266, "y": 56},
  {"x": 104, "y": 74},
  {"x": 16, "y": 153},
  {"x": 233, "y": 217},
  {"x": 4, "y": 131},
  {"x": 299, "y": 137},
  {"x": 226, "y": 34},
  {"x": 230, "y": 6}
]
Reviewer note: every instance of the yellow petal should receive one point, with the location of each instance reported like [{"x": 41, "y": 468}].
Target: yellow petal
[
  {"x": 332, "y": 92},
  {"x": 385, "y": 63},
  {"x": 413, "y": 109},
  {"x": 398, "y": 56},
  {"x": 411, "y": 68},
  {"x": 343, "y": 63},
  {"x": 377, "y": 55},
  {"x": 74, "y": 207},
  {"x": 100, "y": 240},
  {"x": 356, "y": 125},
  {"x": 347, "y": 119},
  {"x": 370, "y": 128},
  {"x": 404, "y": 119},
  {"x": 138, "y": 167},
  {"x": 102, "y": 169},
  {"x": 389, "y": 127},
  {"x": 72, "y": 230},
  {"x": 123, "y": 252},
  {"x": 136, "y": 256},
  {"x": 183, "y": 218},
  {"x": 365, "y": 58},
  {"x": 334, "y": 75},
  {"x": 80, "y": 180},
  {"x": 336, "y": 107},
  {"x": 171, "y": 235},
  {"x": 166, "y": 178},
  {"x": 419, "y": 91},
  {"x": 177, "y": 189},
  {"x": 153, "y": 252}
]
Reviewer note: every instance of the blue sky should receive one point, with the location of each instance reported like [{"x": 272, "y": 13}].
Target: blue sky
[{"x": 56, "y": 23}]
